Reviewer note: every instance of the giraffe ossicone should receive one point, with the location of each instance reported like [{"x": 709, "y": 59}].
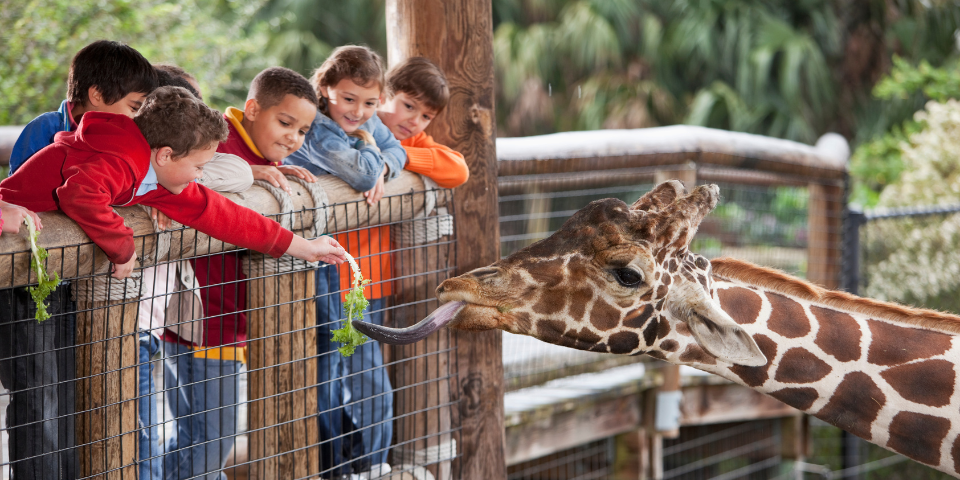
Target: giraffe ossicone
[{"x": 621, "y": 279}]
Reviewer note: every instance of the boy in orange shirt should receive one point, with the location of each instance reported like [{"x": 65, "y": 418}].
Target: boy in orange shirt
[{"x": 418, "y": 92}]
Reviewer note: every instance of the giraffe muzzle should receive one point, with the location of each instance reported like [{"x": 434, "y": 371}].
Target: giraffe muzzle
[{"x": 414, "y": 333}]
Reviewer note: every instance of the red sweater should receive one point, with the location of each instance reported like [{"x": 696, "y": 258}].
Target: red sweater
[{"x": 87, "y": 172}]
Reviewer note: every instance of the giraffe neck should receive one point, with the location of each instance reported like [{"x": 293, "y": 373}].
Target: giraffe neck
[{"x": 888, "y": 379}]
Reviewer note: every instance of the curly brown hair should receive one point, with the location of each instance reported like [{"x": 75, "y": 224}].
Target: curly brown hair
[{"x": 170, "y": 114}]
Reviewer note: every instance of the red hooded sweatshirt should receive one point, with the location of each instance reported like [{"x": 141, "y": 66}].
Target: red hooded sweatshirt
[{"x": 87, "y": 172}]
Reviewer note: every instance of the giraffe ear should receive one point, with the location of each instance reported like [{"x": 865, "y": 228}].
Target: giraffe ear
[
  {"x": 713, "y": 329},
  {"x": 661, "y": 196}
]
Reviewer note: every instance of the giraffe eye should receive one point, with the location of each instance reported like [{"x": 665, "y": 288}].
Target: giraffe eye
[{"x": 628, "y": 277}]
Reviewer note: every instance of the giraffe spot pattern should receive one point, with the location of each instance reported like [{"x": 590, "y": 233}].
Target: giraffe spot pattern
[
  {"x": 650, "y": 332},
  {"x": 742, "y": 304},
  {"x": 918, "y": 436},
  {"x": 695, "y": 354},
  {"x": 551, "y": 331},
  {"x": 756, "y": 376},
  {"x": 839, "y": 334},
  {"x": 604, "y": 316},
  {"x": 854, "y": 405},
  {"x": 662, "y": 291},
  {"x": 955, "y": 453},
  {"x": 663, "y": 327},
  {"x": 787, "y": 317},
  {"x": 669, "y": 345},
  {"x": 893, "y": 345},
  {"x": 637, "y": 318},
  {"x": 667, "y": 279},
  {"x": 578, "y": 303},
  {"x": 550, "y": 303},
  {"x": 799, "y": 365},
  {"x": 684, "y": 329},
  {"x": 623, "y": 342},
  {"x": 929, "y": 383},
  {"x": 672, "y": 266},
  {"x": 799, "y": 398},
  {"x": 522, "y": 322}
]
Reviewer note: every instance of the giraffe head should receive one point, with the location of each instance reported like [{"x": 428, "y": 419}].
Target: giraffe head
[{"x": 614, "y": 278}]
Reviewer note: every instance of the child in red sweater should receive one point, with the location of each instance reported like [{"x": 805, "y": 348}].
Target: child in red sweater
[{"x": 417, "y": 92}]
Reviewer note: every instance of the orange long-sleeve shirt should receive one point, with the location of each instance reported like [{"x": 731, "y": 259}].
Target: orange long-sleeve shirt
[{"x": 439, "y": 162}]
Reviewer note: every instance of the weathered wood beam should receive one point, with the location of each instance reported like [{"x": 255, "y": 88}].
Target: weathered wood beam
[
  {"x": 72, "y": 255},
  {"x": 458, "y": 36}
]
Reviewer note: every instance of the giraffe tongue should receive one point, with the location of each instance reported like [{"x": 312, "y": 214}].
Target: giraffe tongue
[{"x": 414, "y": 333}]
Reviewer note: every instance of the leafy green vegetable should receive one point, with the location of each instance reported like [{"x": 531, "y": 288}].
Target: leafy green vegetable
[
  {"x": 354, "y": 306},
  {"x": 46, "y": 284}
]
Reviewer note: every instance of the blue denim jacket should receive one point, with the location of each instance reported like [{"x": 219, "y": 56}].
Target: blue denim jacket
[
  {"x": 38, "y": 134},
  {"x": 328, "y": 149}
]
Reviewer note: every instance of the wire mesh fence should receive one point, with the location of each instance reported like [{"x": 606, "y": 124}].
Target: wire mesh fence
[{"x": 221, "y": 364}]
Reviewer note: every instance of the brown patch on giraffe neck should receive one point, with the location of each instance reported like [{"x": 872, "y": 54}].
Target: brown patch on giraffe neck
[
  {"x": 742, "y": 304},
  {"x": 893, "y": 345},
  {"x": 918, "y": 436},
  {"x": 928, "y": 383},
  {"x": 623, "y": 342},
  {"x": 578, "y": 302},
  {"x": 777, "y": 281},
  {"x": 669, "y": 345},
  {"x": 638, "y": 317},
  {"x": 854, "y": 405},
  {"x": 799, "y": 365},
  {"x": 551, "y": 303},
  {"x": 799, "y": 398},
  {"x": 684, "y": 329},
  {"x": 839, "y": 334},
  {"x": 695, "y": 354},
  {"x": 787, "y": 317},
  {"x": 756, "y": 376},
  {"x": 604, "y": 316},
  {"x": 955, "y": 453},
  {"x": 650, "y": 332}
]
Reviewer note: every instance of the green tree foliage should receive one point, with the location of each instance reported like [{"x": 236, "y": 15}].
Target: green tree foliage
[{"x": 212, "y": 39}]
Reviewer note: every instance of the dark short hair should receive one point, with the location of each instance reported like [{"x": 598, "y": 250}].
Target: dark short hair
[
  {"x": 170, "y": 114},
  {"x": 421, "y": 79},
  {"x": 167, "y": 79},
  {"x": 117, "y": 70},
  {"x": 358, "y": 63},
  {"x": 271, "y": 85},
  {"x": 170, "y": 74}
]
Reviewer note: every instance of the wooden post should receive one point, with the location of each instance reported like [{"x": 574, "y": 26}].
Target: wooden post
[
  {"x": 824, "y": 225},
  {"x": 282, "y": 344},
  {"x": 107, "y": 356},
  {"x": 458, "y": 36}
]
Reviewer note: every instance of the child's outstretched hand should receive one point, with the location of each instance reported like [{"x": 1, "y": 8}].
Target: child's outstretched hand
[
  {"x": 271, "y": 175},
  {"x": 376, "y": 193},
  {"x": 12, "y": 216},
  {"x": 296, "y": 171},
  {"x": 324, "y": 249},
  {"x": 163, "y": 221}
]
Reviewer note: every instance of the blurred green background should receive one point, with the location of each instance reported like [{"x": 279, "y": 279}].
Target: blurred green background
[{"x": 792, "y": 69}]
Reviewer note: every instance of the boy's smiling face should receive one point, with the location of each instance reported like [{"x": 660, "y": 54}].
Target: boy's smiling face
[
  {"x": 351, "y": 105},
  {"x": 405, "y": 115},
  {"x": 279, "y": 130},
  {"x": 175, "y": 174}
]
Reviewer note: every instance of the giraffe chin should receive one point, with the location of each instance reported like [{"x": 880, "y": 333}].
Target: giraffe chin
[{"x": 414, "y": 333}]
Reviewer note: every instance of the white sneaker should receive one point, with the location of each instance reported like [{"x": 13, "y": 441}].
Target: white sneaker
[{"x": 376, "y": 472}]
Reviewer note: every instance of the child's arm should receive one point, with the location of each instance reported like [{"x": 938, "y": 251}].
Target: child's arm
[
  {"x": 327, "y": 152},
  {"x": 394, "y": 156},
  {"x": 441, "y": 163},
  {"x": 324, "y": 249},
  {"x": 86, "y": 197},
  {"x": 37, "y": 134}
]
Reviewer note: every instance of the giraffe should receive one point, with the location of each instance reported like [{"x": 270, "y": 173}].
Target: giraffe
[{"x": 620, "y": 279}]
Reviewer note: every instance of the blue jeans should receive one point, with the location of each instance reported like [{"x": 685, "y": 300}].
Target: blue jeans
[
  {"x": 202, "y": 394},
  {"x": 38, "y": 367},
  {"x": 151, "y": 450},
  {"x": 355, "y": 397}
]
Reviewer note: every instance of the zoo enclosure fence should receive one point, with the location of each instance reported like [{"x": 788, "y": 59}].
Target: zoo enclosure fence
[{"x": 267, "y": 412}]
